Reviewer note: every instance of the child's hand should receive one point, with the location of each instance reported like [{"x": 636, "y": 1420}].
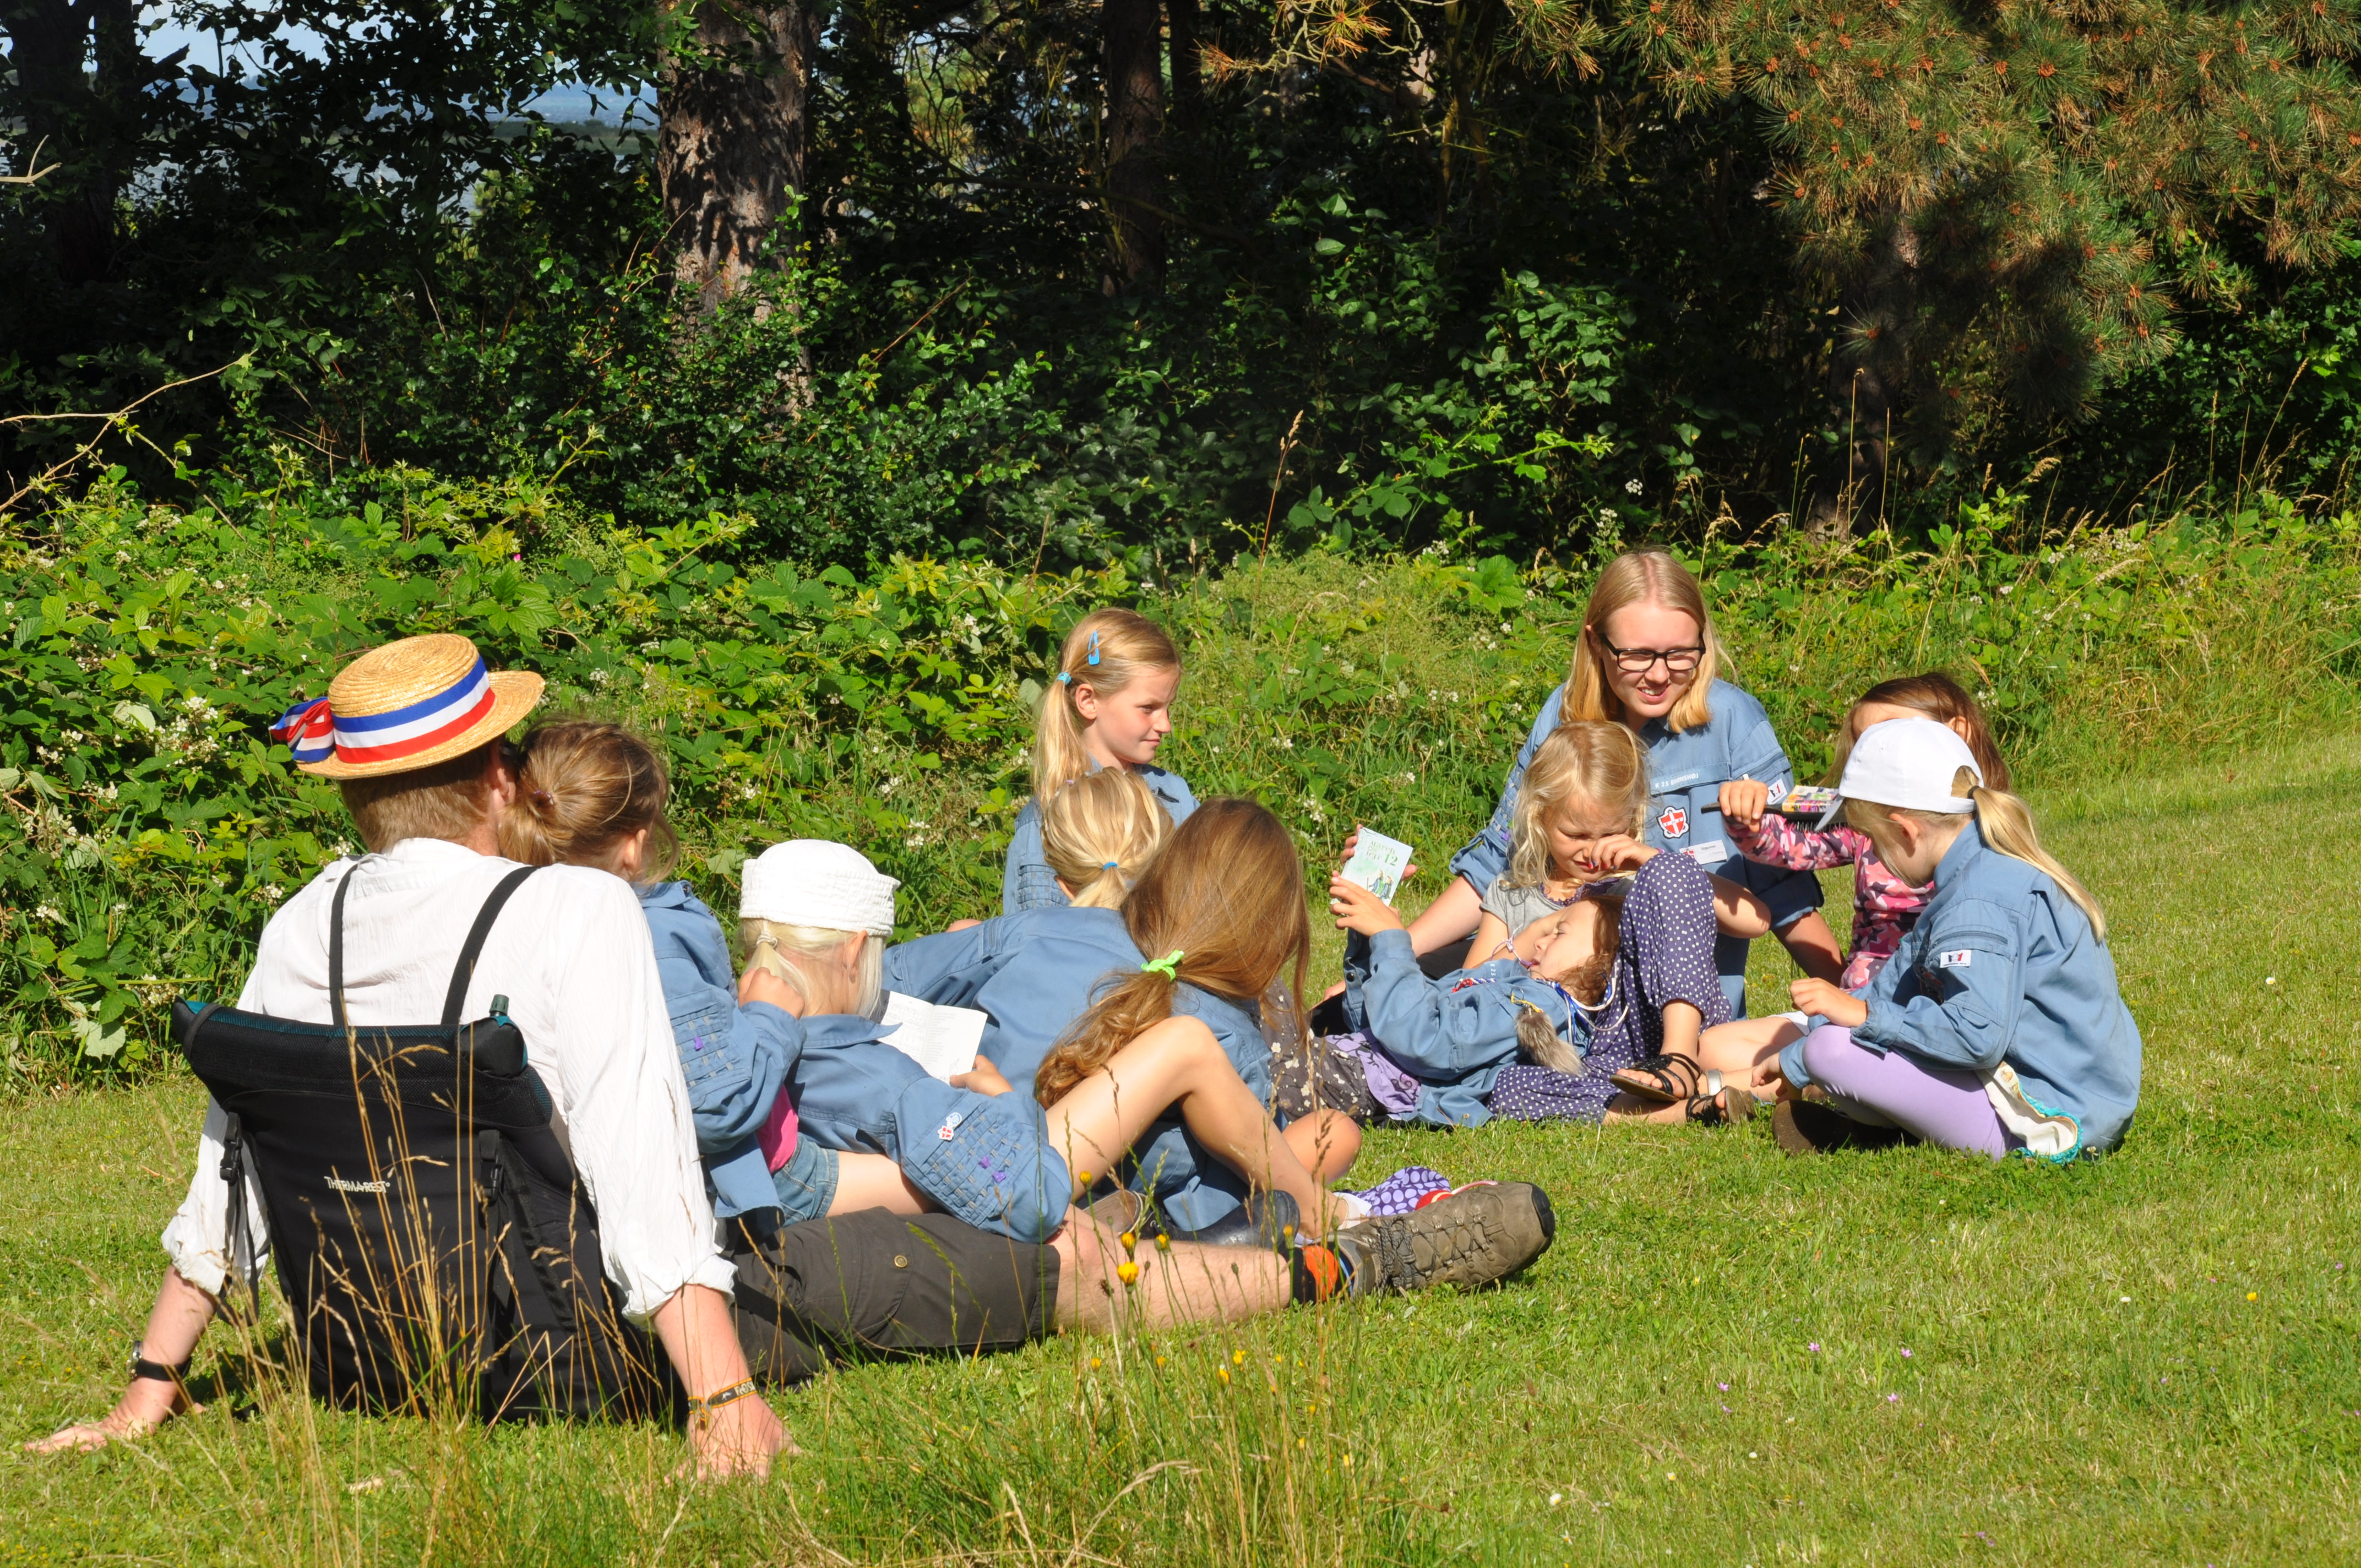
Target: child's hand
[
  {"x": 984, "y": 1079},
  {"x": 1743, "y": 801},
  {"x": 1838, "y": 1007},
  {"x": 1357, "y": 909},
  {"x": 759, "y": 984},
  {"x": 1621, "y": 852}
]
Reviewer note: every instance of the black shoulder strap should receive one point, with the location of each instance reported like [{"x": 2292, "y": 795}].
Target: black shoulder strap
[
  {"x": 337, "y": 947},
  {"x": 466, "y": 968}
]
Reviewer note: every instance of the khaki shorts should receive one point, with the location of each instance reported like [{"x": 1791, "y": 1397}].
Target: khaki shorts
[{"x": 874, "y": 1286}]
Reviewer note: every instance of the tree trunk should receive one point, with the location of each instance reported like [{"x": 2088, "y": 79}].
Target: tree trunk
[
  {"x": 1867, "y": 367},
  {"x": 730, "y": 100},
  {"x": 1134, "y": 123},
  {"x": 84, "y": 123}
]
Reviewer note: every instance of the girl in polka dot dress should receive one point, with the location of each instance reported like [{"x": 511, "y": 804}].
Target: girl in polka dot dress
[{"x": 1612, "y": 974}]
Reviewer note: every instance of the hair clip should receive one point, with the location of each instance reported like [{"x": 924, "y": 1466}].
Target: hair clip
[
  {"x": 1094, "y": 659},
  {"x": 1168, "y": 966}
]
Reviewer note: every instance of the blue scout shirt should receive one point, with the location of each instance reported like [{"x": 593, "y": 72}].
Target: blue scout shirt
[
  {"x": 984, "y": 1158},
  {"x": 1027, "y": 882},
  {"x": 1453, "y": 1035},
  {"x": 735, "y": 1058},
  {"x": 1035, "y": 973},
  {"x": 1686, "y": 773},
  {"x": 2002, "y": 967}
]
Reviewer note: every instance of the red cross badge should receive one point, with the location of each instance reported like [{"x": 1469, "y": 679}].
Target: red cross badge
[{"x": 1675, "y": 822}]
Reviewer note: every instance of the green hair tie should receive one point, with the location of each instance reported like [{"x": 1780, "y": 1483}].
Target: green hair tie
[{"x": 1168, "y": 966}]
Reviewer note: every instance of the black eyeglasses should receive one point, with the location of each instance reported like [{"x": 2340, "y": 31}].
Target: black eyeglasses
[{"x": 1640, "y": 661}]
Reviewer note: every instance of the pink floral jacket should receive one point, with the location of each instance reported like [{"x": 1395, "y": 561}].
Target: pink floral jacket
[{"x": 1884, "y": 905}]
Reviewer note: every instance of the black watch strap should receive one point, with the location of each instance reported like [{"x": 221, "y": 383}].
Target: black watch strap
[{"x": 154, "y": 1371}]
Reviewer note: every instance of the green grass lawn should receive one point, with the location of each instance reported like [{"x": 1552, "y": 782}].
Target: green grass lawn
[{"x": 1730, "y": 1356}]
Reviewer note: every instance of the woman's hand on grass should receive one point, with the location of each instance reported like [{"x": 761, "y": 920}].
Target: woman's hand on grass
[
  {"x": 1743, "y": 801},
  {"x": 1357, "y": 909},
  {"x": 1836, "y": 1005},
  {"x": 145, "y": 1406}
]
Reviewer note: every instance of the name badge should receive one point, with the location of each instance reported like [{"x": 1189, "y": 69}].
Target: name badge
[
  {"x": 1961, "y": 958},
  {"x": 1710, "y": 853}
]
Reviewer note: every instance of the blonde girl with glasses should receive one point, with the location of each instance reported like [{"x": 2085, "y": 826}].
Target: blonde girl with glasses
[
  {"x": 1649, "y": 661},
  {"x": 1110, "y": 705}
]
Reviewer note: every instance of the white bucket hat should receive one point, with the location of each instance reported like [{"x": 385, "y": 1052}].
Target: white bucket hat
[
  {"x": 811, "y": 881},
  {"x": 1908, "y": 763}
]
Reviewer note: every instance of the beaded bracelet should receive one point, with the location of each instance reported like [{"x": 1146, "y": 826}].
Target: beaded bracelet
[{"x": 729, "y": 1395}]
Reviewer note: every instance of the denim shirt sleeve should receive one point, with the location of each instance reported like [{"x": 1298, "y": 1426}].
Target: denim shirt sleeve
[
  {"x": 1486, "y": 856},
  {"x": 734, "y": 1059},
  {"x": 1430, "y": 1030},
  {"x": 948, "y": 968},
  {"x": 1025, "y": 880},
  {"x": 1958, "y": 1003}
]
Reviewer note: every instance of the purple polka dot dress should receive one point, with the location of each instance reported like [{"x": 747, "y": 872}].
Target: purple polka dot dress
[{"x": 1664, "y": 954}]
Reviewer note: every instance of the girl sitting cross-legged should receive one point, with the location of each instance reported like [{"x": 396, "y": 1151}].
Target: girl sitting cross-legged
[
  {"x": 1599, "y": 974},
  {"x": 1885, "y": 906},
  {"x": 1996, "y": 1025}
]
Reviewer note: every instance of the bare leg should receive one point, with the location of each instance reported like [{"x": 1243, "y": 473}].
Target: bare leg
[
  {"x": 872, "y": 1182},
  {"x": 1179, "y": 1063},
  {"x": 1739, "y": 1050},
  {"x": 1183, "y": 1284},
  {"x": 1327, "y": 1142}
]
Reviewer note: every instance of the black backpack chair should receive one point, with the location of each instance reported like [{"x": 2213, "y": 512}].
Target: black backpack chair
[{"x": 435, "y": 1246}]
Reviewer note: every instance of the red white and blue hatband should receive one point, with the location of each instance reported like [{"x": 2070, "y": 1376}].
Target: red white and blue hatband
[{"x": 403, "y": 707}]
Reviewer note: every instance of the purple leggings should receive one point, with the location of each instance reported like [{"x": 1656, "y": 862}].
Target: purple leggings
[{"x": 1943, "y": 1105}]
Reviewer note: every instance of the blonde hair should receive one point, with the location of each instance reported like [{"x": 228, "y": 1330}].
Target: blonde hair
[
  {"x": 582, "y": 789},
  {"x": 1107, "y": 651},
  {"x": 1098, "y": 832},
  {"x": 1224, "y": 900},
  {"x": 446, "y": 800},
  {"x": 1583, "y": 759},
  {"x": 1940, "y": 698},
  {"x": 2003, "y": 820},
  {"x": 1640, "y": 577},
  {"x": 783, "y": 950}
]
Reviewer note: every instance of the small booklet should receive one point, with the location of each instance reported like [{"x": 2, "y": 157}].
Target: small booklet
[
  {"x": 1378, "y": 863},
  {"x": 940, "y": 1039},
  {"x": 1806, "y": 800}
]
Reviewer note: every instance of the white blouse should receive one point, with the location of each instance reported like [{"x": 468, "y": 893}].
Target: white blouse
[{"x": 572, "y": 954}]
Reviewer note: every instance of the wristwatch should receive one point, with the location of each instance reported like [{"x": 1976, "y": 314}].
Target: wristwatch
[{"x": 154, "y": 1371}]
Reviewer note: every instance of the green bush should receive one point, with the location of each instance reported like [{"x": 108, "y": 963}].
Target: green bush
[{"x": 152, "y": 827}]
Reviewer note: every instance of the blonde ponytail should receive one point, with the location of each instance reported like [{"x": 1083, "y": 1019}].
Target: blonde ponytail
[
  {"x": 1107, "y": 651},
  {"x": 1098, "y": 832},
  {"x": 2006, "y": 825}
]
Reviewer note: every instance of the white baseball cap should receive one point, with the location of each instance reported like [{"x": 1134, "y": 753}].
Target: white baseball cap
[
  {"x": 812, "y": 882},
  {"x": 1908, "y": 763}
]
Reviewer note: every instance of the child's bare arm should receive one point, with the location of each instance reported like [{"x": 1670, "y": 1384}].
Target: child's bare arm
[{"x": 1738, "y": 911}]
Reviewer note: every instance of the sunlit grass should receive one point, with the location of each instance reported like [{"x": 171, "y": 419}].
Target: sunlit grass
[{"x": 1730, "y": 1357}]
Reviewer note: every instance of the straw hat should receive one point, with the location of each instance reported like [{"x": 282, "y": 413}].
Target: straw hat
[{"x": 403, "y": 707}]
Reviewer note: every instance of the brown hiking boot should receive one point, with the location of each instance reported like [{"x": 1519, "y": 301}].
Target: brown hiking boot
[
  {"x": 1801, "y": 1126},
  {"x": 1474, "y": 1236}
]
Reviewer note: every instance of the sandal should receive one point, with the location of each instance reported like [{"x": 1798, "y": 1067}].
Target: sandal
[
  {"x": 1663, "y": 1079},
  {"x": 1722, "y": 1105}
]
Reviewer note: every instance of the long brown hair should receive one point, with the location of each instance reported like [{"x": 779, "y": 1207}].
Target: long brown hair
[
  {"x": 1640, "y": 577},
  {"x": 1940, "y": 698},
  {"x": 1107, "y": 651},
  {"x": 1224, "y": 900},
  {"x": 585, "y": 787}
]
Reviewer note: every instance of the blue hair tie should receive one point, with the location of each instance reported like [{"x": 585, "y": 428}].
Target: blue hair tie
[
  {"x": 1094, "y": 659},
  {"x": 1065, "y": 678},
  {"x": 1109, "y": 865}
]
